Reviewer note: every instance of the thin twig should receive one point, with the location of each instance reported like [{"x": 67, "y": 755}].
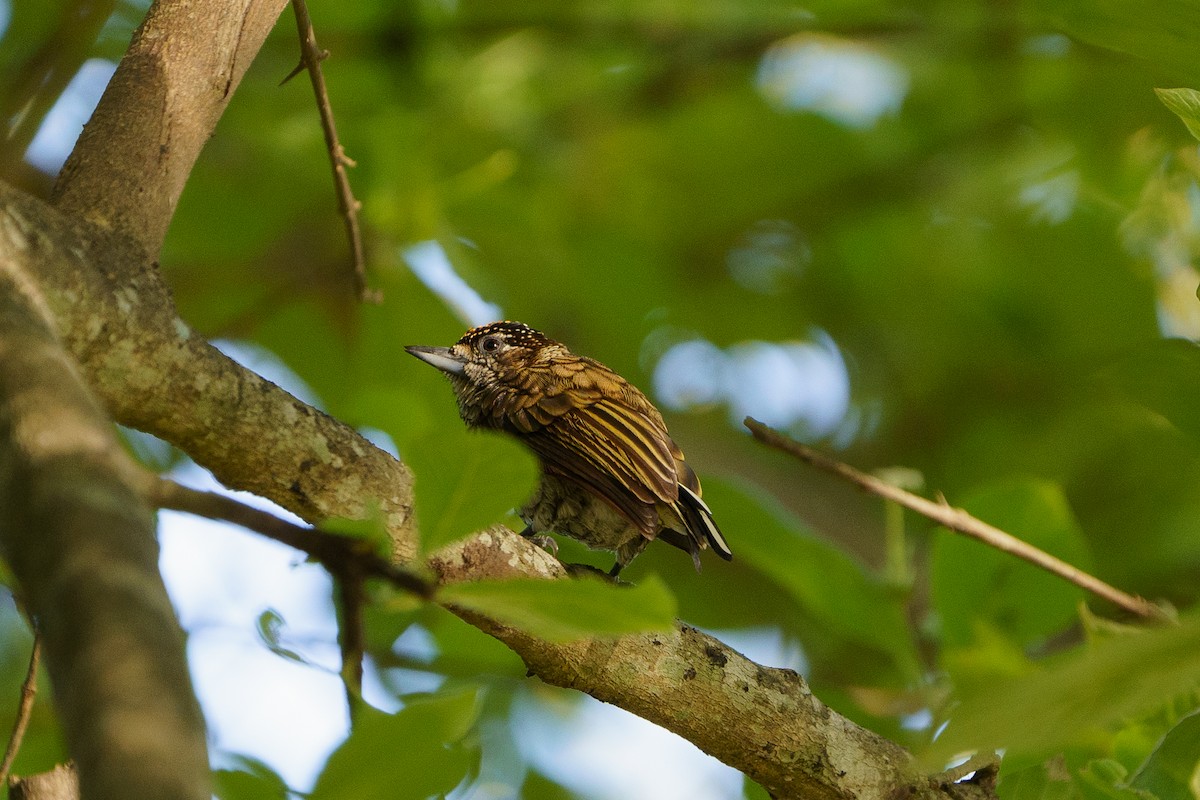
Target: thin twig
[
  {"x": 339, "y": 554},
  {"x": 958, "y": 520},
  {"x": 351, "y": 638},
  {"x": 311, "y": 57},
  {"x": 24, "y": 708}
]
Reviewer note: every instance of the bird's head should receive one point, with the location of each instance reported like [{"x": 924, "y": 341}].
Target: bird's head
[{"x": 495, "y": 358}]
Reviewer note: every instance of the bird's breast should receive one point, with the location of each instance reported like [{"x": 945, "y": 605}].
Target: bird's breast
[{"x": 565, "y": 507}]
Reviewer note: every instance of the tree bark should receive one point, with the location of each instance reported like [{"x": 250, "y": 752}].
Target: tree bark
[
  {"x": 81, "y": 543},
  {"x": 763, "y": 721},
  {"x": 115, "y": 316},
  {"x": 135, "y": 154},
  {"x": 60, "y": 783}
]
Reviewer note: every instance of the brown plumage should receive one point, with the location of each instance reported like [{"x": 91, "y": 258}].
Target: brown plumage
[{"x": 611, "y": 475}]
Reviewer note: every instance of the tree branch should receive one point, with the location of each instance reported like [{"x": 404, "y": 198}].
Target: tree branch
[
  {"x": 116, "y": 316},
  {"x": 763, "y": 721},
  {"x": 129, "y": 166},
  {"x": 311, "y": 57},
  {"x": 81, "y": 544},
  {"x": 686, "y": 681},
  {"x": 60, "y": 783},
  {"x": 958, "y": 520},
  {"x": 341, "y": 555},
  {"x": 349, "y": 561},
  {"x": 351, "y": 637},
  {"x": 156, "y": 375}
]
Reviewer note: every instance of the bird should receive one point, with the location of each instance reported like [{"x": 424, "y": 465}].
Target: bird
[{"x": 611, "y": 476}]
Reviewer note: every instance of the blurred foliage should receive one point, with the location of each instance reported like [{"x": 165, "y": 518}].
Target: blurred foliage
[
  {"x": 1172, "y": 769},
  {"x": 1069, "y": 701},
  {"x": 857, "y": 627},
  {"x": 1026, "y": 604},
  {"x": 1002, "y": 251}
]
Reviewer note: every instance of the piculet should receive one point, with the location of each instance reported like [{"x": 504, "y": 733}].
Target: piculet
[{"x": 611, "y": 476}]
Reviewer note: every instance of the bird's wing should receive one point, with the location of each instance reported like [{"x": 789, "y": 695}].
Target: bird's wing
[
  {"x": 534, "y": 398},
  {"x": 566, "y": 451},
  {"x": 588, "y": 424}
]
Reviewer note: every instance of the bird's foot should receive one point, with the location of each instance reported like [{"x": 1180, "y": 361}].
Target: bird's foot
[{"x": 542, "y": 540}]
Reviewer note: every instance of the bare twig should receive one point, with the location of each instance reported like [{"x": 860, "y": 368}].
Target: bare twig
[
  {"x": 24, "y": 708},
  {"x": 351, "y": 637},
  {"x": 311, "y": 57},
  {"x": 341, "y": 555},
  {"x": 958, "y": 520}
]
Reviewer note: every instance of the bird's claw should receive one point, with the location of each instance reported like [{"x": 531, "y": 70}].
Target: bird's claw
[{"x": 543, "y": 541}]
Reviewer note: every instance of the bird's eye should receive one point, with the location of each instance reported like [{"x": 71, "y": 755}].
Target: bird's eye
[{"x": 491, "y": 344}]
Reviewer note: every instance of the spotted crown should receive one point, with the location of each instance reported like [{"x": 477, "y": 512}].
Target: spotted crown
[{"x": 515, "y": 334}]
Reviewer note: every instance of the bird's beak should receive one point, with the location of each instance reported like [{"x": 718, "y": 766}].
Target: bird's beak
[{"x": 443, "y": 358}]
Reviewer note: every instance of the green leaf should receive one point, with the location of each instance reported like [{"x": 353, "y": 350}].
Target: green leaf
[
  {"x": 539, "y": 787},
  {"x": 991, "y": 656},
  {"x": 270, "y": 625},
  {"x": 1078, "y": 695},
  {"x": 459, "y": 650},
  {"x": 825, "y": 582},
  {"x": 466, "y": 480},
  {"x": 1105, "y": 779},
  {"x": 1135, "y": 739},
  {"x": 1165, "y": 378},
  {"x": 417, "y": 752},
  {"x": 974, "y": 583},
  {"x": 1173, "y": 769},
  {"x": 1185, "y": 103},
  {"x": 1035, "y": 783},
  {"x": 252, "y": 780},
  {"x": 753, "y": 791},
  {"x": 569, "y": 609}
]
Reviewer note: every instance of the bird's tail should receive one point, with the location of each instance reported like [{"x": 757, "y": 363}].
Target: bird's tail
[{"x": 699, "y": 520}]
